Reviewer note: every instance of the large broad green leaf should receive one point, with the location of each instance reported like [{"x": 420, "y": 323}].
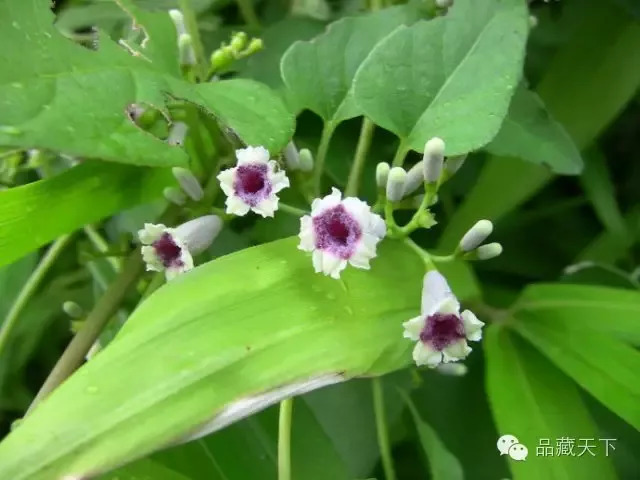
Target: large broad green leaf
[
  {"x": 524, "y": 389},
  {"x": 443, "y": 465},
  {"x": 604, "y": 366},
  {"x": 451, "y": 77},
  {"x": 528, "y": 132},
  {"x": 82, "y": 195},
  {"x": 209, "y": 348},
  {"x": 589, "y": 81},
  {"x": 59, "y": 95},
  {"x": 145, "y": 470},
  {"x": 605, "y": 310},
  {"x": 319, "y": 74}
]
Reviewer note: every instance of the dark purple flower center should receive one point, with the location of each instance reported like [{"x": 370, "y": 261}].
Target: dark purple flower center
[
  {"x": 252, "y": 183},
  {"x": 441, "y": 330},
  {"x": 168, "y": 251},
  {"x": 337, "y": 232}
]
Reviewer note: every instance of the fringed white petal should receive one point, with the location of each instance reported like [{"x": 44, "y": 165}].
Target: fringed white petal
[
  {"x": 472, "y": 326},
  {"x": 252, "y": 155},
  {"x": 413, "y": 327},
  {"x": 424, "y": 354}
]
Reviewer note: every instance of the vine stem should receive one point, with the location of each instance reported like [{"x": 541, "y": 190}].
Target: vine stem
[
  {"x": 323, "y": 147},
  {"x": 364, "y": 143},
  {"x": 381, "y": 427},
  {"x": 401, "y": 152},
  {"x": 298, "y": 212},
  {"x": 30, "y": 287},
  {"x": 191, "y": 23},
  {"x": 284, "y": 439},
  {"x": 108, "y": 304},
  {"x": 248, "y": 13},
  {"x": 424, "y": 255}
]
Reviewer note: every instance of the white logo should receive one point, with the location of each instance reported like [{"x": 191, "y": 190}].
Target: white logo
[{"x": 510, "y": 445}]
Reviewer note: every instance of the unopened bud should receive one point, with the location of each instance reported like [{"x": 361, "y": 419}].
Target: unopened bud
[
  {"x": 198, "y": 234},
  {"x": 239, "y": 41},
  {"x": 488, "y": 251},
  {"x": 452, "y": 369},
  {"x": 476, "y": 235},
  {"x": 453, "y": 164},
  {"x": 306, "y": 160},
  {"x": 433, "y": 159},
  {"x": 415, "y": 178},
  {"x": 533, "y": 21},
  {"x": 221, "y": 58},
  {"x": 188, "y": 182},
  {"x": 185, "y": 49},
  {"x": 382, "y": 174},
  {"x": 291, "y": 156},
  {"x": 73, "y": 309},
  {"x": 174, "y": 195},
  {"x": 395, "y": 183},
  {"x": 255, "y": 45},
  {"x": 178, "y": 20},
  {"x": 177, "y": 133}
]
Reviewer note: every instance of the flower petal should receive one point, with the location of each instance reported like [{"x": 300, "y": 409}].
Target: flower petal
[
  {"x": 267, "y": 206},
  {"x": 151, "y": 232},
  {"x": 318, "y": 255},
  {"x": 472, "y": 326},
  {"x": 424, "y": 354},
  {"x": 236, "y": 206},
  {"x": 413, "y": 327},
  {"x": 152, "y": 261},
  {"x": 227, "y": 178},
  {"x": 456, "y": 351},
  {"x": 252, "y": 155},
  {"x": 306, "y": 235},
  {"x": 321, "y": 204},
  {"x": 435, "y": 289}
]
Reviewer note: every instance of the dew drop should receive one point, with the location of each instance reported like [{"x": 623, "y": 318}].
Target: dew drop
[
  {"x": 92, "y": 389},
  {"x": 15, "y": 25},
  {"x": 17, "y": 85}
]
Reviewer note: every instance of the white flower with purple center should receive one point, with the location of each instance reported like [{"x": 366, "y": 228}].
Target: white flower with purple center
[
  {"x": 441, "y": 332},
  {"x": 253, "y": 183},
  {"x": 339, "y": 232},
  {"x": 171, "y": 250}
]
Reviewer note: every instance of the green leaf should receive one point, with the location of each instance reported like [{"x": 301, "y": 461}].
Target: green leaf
[
  {"x": 451, "y": 77},
  {"x": 209, "y": 348},
  {"x": 319, "y": 74},
  {"x": 528, "y": 132},
  {"x": 604, "y": 366},
  {"x": 610, "y": 311},
  {"x": 443, "y": 465},
  {"x": 574, "y": 95},
  {"x": 524, "y": 389},
  {"x": 83, "y": 194},
  {"x": 144, "y": 470},
  {"x": 59, "y": 95}
]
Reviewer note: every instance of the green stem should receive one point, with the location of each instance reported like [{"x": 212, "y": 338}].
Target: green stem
[
  {"x": 364, "y": 143},
  {"x": 156, "y": 282},
  {"x": 108, "y": 304},
  {"x": 284, "y": 439},
  {"x": 191, "y": 23},
  {"x": 101, "y": 245},
  {"x": 381, "y": 427},
  {"x": 248, "y": 13},
  {"x": 427, "y": 259},
  {"x": 30, "y": 287},
  {"x": 401, "y": 152},
  {"x": 298, "y": 212},
  {"x": 323, "y": 147},
  {"x": 430, "y": 191}
]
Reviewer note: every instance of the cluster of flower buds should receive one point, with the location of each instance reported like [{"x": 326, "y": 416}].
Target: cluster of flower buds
[
  {"x": 471, "y": 248},
  {"x": 186, "y": 52},
  {"x": 297, "y": 159},
  {"x": 239, "y": 47}
]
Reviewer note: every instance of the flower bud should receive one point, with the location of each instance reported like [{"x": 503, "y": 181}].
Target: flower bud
[
  {"x": 198, "y": 234},
  {"x": 178, "y": 20},
  {"x": 476, "y": 235},
  {"x": 220, "y": 59},
  {"x": 533, "y": 21},
  {"x": 395, "y": 183},
  {"x": 255, "y": 45},
  {"x": 415, "y": 178},
  {"x": 73, "y": 309},
  {"x": 306, "y": 160},
  {"x": 452, "y": 369},
  {"x": 433, "y": 159},
  {"x": 291, "y": 156},
  {"x": 185, "y": 49},
  {"x": 177, "y": 133},
  {"x": 453, "y": 164},
  {"x": 174, "y": 195},
  {"x": 488, "y": 251},
  {"x": 382, "y": 174},
  {"x": 239, "y": 41},
  {"x": 188, "y": 182}
]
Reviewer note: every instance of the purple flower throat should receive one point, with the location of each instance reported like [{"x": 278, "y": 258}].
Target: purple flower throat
[
  {"x": 252, "y": 183},
  {"x": 168, "y": 251},
  {"x": 337, "y": 232},
  {"x": 441, "y": 330}
]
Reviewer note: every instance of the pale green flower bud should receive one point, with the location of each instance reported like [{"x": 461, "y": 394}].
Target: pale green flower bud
[
  {"x": 185, "y": 49},
  {"x": 177, "y": 133},
  {"x": 255, "y": 45},
  {"x": 433, "y": 159},
  {"x": 476, "y": 235},
  {"x": 199, "y": 234},
  {"x": 382, "y": 174},
  {"x": 452, "y": 369},
  {"x": 239, "y": 41},
  {"x": 178, "y": 20},
  {"x": 188, "y": 182},
  {"x": 488, "y": 251},
  {"x": 220, "y": 59},
  {"x": 291, "y": 156},
  {"x": 306, "y": 160},
  {"x": 73, "y": 309},
  {"x": 415, "y": 178},
  {"x": 174, "y": 195},
  {"x": 395, "y": 183}
]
